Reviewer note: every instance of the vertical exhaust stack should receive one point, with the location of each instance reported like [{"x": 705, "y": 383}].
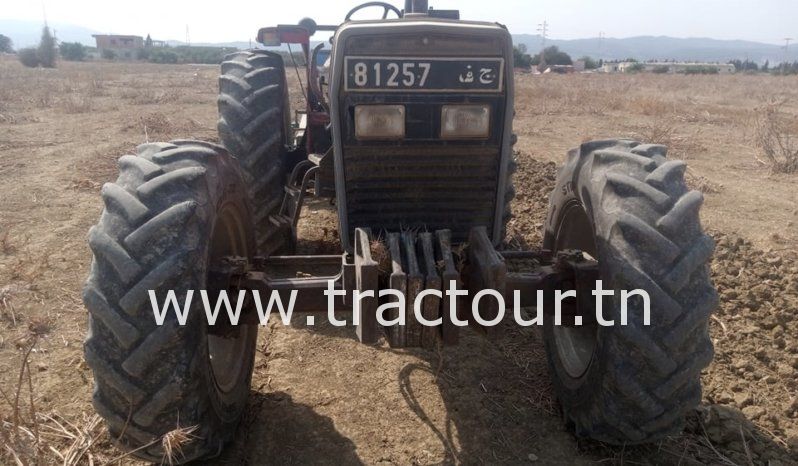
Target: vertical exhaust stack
[{"x": 417, "y": 6}]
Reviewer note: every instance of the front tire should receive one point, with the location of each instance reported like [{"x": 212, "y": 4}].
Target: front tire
[
  {"x": 173, "y": 213},
  {"x": 627, "y": 206},
  {"x": 254, "y": 125}
]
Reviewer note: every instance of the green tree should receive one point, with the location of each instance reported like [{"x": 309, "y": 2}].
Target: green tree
[
  {"x": 635, "y": 68},
  {"x": 701, "y": 69},
  {"x": 6, "y": 45},
  {"x": 590, "y": 64},
  {"x": 28, "y": 57},
  {"x": 163, "y": 55},
  {"x": 108, "y": 54},
  {"x": 522, "y": 58},
  {"x": 148, "y": 42},
  {"x": 766, "y": 66},
  {"x": 47, "y": 50},
  {"x": 747, "y": 65},
  {"x": 553, "y": 56},
  {"x": 72, "y": 51}
]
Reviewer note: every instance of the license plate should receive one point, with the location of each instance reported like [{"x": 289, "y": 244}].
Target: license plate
[{"x": 371, "y": 74}]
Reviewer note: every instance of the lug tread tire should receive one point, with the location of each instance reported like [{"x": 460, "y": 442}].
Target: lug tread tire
[
  {"x": 648, "y": 237},
  {"x": 253, "y": 115},
  {"x": 154, "y": 235}
]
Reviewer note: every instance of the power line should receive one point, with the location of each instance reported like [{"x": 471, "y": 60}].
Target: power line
[
  {"x": 600, "y": 42},
  {"x": 543, "y": 29}
]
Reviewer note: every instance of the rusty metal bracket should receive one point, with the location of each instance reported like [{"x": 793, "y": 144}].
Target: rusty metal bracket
[
  {"x": 415, "y": 284},
  {"x": 366, "y": 279},
  {"x": 449, "y": 274},
  {"x": 397, "y": 337},
  {"x": 486, "y": 270},
  {"x": 431, "y": 309}
]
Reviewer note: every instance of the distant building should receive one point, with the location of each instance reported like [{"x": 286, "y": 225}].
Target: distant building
[
  {"x": 122, "y": 47},
  {"x": 560, "y": 69},
  {"x": 666, "y": 67}
]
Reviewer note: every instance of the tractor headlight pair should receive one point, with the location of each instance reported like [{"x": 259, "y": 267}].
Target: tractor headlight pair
[{"x": 388, "y": 122}]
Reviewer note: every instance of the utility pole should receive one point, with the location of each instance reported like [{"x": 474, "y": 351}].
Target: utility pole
[
  {"x": 543, "y": 29},
  {"x": 601, "y": 42},
  {"x": 188, "y": 38}
]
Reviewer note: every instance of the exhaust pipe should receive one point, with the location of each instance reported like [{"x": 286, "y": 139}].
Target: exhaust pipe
[{"x": 417, "y": 6}]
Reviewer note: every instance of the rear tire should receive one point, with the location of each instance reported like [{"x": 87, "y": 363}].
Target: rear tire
[
  {"x": 174, "y": 211},
  {"x": 254, "y": 126},
  {"x": 627, "y": 206}
]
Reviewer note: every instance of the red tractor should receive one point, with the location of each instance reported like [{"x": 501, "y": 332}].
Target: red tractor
[{"x": 409, "y": 129}]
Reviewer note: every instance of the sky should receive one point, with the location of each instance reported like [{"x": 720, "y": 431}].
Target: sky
[{"x": 769, "y": 21}]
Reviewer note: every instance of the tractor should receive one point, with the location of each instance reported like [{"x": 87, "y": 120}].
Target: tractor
[{"x": 408, "y": 132}]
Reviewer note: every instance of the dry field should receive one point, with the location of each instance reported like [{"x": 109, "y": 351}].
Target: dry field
[{"x": 320, "y": 397}]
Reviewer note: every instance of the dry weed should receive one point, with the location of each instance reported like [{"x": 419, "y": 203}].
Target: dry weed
[
  {"x": 96, "y": 88},
  {"x": 777, "y": 138},
  {"x": 6, "y": 246},
  {"x": 76, "y": 104},
  {"x": 151, "y": 97},
  {"x": 173, "y": 443},
  {"x": 661, "y": 133},
  {"x": 23, "y": 443},
  {"x": 28, "y": 268},
  {"x": 45, "y": 99},
  {"x": 30, "y": 437},
  {"x": 7, "y": 294},
  {"x": 80, "y": 437},
  {"x": 381, "y": 255},
  {"x": 650, "y": 106},
  {"x": 702, "y": 184}
]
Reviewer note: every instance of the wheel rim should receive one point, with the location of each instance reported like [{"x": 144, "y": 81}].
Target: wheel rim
[
  {"x": 227, "y": 354},
  {"x": 576, "y": 346}
]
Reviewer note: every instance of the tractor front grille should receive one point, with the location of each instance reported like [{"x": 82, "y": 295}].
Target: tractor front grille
[{"x": 428, "y": 188}]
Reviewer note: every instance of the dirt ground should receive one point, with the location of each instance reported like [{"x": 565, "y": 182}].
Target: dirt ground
[{"x": 320, "y": 397}]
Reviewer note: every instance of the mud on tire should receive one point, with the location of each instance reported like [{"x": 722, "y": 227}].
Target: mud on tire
[
  {"x": 173, "y": 211},
  {"x": 627, "y": 205},
  {"x": 254, "y": 124}
]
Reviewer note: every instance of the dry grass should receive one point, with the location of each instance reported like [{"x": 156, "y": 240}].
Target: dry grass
[
  {"x": 27, "y": 267},
  {"x": 21, "y": 437},
  {"x": 151, "y": 96},
  {"x": 31, "y": 437},
  {"x": 663, "y": 133},
  {"x": 777, "y": 137},
  {"x": 76, "y": 104},
  {"x": 6, "y": 245},
  {"x": 381, "y": 255},
  {"x": 173, "y": 443},
  {"x": 96, "y": 88},
  {"x": 703, "y": 184}
]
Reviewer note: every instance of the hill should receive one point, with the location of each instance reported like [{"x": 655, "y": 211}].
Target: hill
[
  {"x": 661, "y": 48},
  {"x": 27, "y": 33}
]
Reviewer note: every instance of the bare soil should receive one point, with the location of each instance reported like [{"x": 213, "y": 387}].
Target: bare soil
[{"x": 320, "y": 397}]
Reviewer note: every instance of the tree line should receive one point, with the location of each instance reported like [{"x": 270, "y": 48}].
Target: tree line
[
  {"x": 554, "y": 56},
  {"x": 47, "y": 52}
]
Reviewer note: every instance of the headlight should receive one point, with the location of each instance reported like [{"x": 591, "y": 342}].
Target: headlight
[
  {"x": 465, "y": 121},
  {"x": 380, "y": 121}
]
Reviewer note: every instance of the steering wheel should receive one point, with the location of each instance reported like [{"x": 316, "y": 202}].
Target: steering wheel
[{"x": 387, "y": 7}]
